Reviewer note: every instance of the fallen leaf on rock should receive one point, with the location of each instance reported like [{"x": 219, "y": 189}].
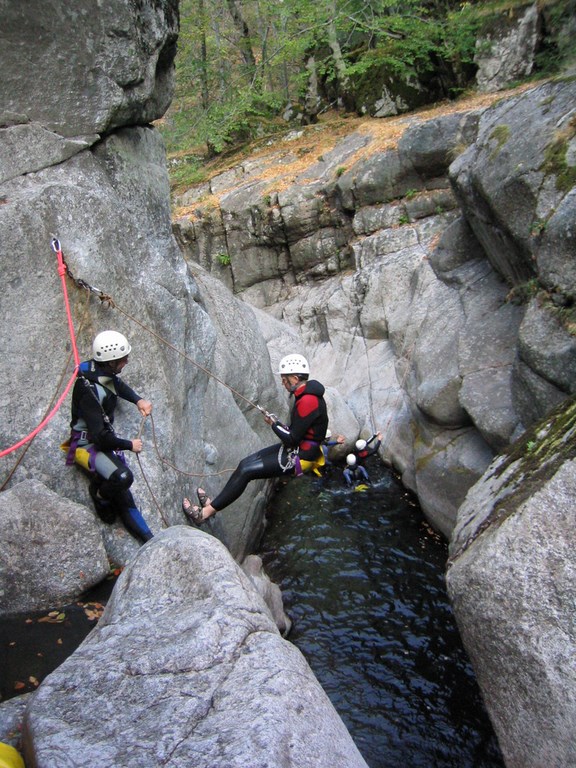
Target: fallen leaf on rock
[{"x": 54, "y": 617}]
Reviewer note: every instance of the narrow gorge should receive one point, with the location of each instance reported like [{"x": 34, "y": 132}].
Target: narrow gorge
[{"x": 424, "y": 264}]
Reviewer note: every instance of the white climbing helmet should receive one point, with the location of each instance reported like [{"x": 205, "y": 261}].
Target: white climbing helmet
[
  {"x": 360, "y": 445},
  {"x": 110, "y": 345},
  {"x": 293, "y": 365},
  {"x": 351, "y": 460}
]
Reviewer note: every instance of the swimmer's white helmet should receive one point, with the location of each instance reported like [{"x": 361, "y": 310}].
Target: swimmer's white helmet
[
  {"x": 360, "y": 445},
  {"x": 351, "y": 460}
]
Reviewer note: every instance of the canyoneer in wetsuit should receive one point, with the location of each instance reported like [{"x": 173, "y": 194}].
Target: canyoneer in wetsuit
[
  {"x": 93, "y": 443},
  {"x": 365, "y": 448},
  {"x": 300, "y": 448},
  {"x": 355, "y": 473}
]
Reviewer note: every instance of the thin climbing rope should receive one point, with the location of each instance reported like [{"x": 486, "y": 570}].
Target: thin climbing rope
[{"x": 107, "y": 300}]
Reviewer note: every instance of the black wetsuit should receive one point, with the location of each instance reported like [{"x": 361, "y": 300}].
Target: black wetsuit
[
  {"x": 94, "y": 398},
  {"x": 307, "y": 430}
]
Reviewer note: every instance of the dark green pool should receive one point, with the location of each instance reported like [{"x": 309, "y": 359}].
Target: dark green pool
[{"x": 362, "y": 575}]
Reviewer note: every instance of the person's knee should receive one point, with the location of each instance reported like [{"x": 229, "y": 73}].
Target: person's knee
[
  {"x": 249, "y": 465},
  {"x": 121, "y": 479},
  {"x": 244, "y": 464}
]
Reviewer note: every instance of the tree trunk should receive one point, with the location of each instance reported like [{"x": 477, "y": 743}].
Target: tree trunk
[
  {"x": 339, "y": 63},
  {"x": 203, "y": 58},
  {"x": 245, "y": 44}
]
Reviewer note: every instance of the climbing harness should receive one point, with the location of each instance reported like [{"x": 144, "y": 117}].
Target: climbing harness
[
  {"x": 292, "y": 461},
  {"x": 300, "y": 466}
]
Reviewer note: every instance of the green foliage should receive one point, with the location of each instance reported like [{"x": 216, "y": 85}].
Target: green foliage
[
  {"x": 224, "y": 259},
  {"x": 538, "y": 227},
  {"x": 556, "y": 158},
  {"x": 236, "y": 72},
  {"x": 186, "y": 171},
  {"x": 559, "y": 305},
  {"x": 500, "y": 135},
  {"x": 522, "y": 294}
]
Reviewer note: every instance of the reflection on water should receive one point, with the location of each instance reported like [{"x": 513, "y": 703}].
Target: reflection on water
[{"x": 362, "y": 577}]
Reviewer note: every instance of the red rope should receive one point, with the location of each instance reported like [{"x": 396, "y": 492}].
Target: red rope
[{"x": 62, "y": 272}]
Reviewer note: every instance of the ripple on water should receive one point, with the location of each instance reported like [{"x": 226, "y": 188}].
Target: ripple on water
[{"x": 362, "y": 576}]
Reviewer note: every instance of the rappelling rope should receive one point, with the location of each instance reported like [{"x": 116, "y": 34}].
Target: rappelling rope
[
  {"x": 62, "y": 270},
  {"x": 370, "y": 398},
  {"x": 405, "y": 353},
  {"x": 108, "y": 301}
]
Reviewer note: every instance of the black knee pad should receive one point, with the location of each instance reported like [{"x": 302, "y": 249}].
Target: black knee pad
[{"x": 120, "y": 480}]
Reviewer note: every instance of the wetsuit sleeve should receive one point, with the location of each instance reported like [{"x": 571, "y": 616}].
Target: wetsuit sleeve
[
  {"x": 100, "y": 431},
  {"x": 283, "y": 432},
  {"x": 304, "y": 415},
  {"x": 373, "y": 449},
  {"x": 125, "y": 392}
]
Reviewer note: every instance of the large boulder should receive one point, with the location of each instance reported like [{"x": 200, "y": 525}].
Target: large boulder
[
  {"x": 185, "y": 667},
  {"x": 507, "y": 46},
  {"x": 52, "y": 549},
  {"x": 511, "y": 580},
  {"x": 514, "y": 185},
  {"x": 79, "y": 69}
]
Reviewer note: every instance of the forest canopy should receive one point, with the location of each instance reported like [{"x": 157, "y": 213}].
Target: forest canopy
[{"x": 243, "y": 64}]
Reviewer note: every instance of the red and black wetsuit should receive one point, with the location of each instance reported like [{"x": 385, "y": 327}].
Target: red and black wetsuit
[
  {"x": 308, "y": 425},
  {"x": 362, "y": 455}
]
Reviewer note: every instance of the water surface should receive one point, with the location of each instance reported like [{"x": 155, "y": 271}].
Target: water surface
[{"x": 362, "y": 576}]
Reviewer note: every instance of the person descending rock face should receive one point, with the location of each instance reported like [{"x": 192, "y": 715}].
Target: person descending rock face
[
  {"x": 363, "y": 448},
  {"x": 354, "y": 473},
  {"x": 328, "y": 443},
  {"x": 300, "y": 448},
  {"x": 93, "y": 443}
]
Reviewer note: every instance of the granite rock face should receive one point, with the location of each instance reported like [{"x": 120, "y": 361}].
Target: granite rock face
[
  {"x": 52, "y": 550},
  {"x": 511, "y": 579},
  {"x": 430, "y": 281},
  {"x": 185, "y": 667},
  {"x": 76, "y": 69},
  {"x": 80, "y": 162}
]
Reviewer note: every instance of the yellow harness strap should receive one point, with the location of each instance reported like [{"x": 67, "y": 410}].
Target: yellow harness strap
[
  {"x": 313, "y": 466},
  {"x": 81, "y": 456}
]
